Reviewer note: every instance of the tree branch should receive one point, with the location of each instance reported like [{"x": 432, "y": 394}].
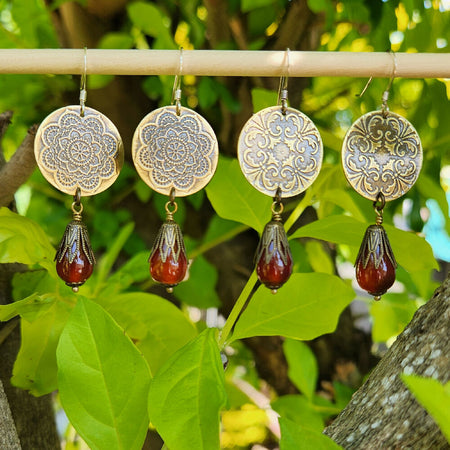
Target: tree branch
[
  {"x": 18, "y": 169},
  {"x": 383, "y": 413}
]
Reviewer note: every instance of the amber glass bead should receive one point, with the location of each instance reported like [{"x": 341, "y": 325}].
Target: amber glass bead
[
  {"x": 273, "y": 256},
  {"x": 74, "y": 273},
  {"x": 169, "y": 272},
  {"x": 375, "y": 265}
]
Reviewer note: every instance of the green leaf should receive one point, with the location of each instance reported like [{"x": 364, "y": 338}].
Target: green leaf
[
  {"x": 406, "y": 246},
  {"x": 234, "y": 198},
  {"x": 349, "y": 231},
  {"x": 303, "y": 370},
  {"x": 28, "y": 308},
  {"x": 434, "y": 397},
  {"x": 319, "y": 259},
  {"x": 103, "y": 380},
  {"x": 391, "y": 315},
  {"x": 263, "y": 98},
  {"x": 24, "y": 241},
  {"x": 339, "y": 229},
  {"x": 186, "y": 396},
  {"x": 207, "y": 92},
  {"x": 135, "y": 270},
  {"x": 157, "y": 325},
  {"x": 200, "y": 289},
  {"x": 307, "y": 306},
  {"x": 116, "y": 41},
  {"x": 35, "y": 366},
  {"x": 111, "y": 255},
  {"x": 298, "y": 409},
  {"x": 148, "y": 18},
  {"x": 294, "y": 436},
  {"x": 345, "y": 200}
]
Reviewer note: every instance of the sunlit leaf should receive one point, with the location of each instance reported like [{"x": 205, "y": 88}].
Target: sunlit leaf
[
  {"x": 298, "y": 409},
  {"x": 200, "y": 290},
  {"x": 434, "y": 397},
  {"x": 391, "y": 315},
  {"x": 35, "y": 367},
  {"x": 157, "y": 325},
  {"x": 23, "y": 241},
  {"x": 186, "y": 396},
  {"x": 346, "y": 230},
  {"x": 303, "y": 369},
  {"x": 307, "y": 306},
  {"x": 295, "y": 436},
  {"x": 234, "y": 198},
  {"x": 103, "y": 380}
]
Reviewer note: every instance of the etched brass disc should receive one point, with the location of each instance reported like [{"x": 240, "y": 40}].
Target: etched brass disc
[
  {"x": 175, "y": 151},
  {"x": 382, "y": 154},
  {"x": 277, "y": 150},
  {"x": 78, "y": 152}
]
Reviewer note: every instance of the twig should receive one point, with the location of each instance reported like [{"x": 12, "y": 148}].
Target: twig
[{"x": 19, "y": 168}]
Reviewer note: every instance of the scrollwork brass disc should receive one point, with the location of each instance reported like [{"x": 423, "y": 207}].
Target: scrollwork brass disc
[
  {"x": 382, "y": 153},
  {"x": 175, "y": 151},
  {"x": 78, "y": 152},
  {"x": 277, "y": 150}
]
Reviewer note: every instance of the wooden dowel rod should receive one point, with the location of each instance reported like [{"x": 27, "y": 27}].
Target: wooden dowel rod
[{"x": 224, "y": 63}]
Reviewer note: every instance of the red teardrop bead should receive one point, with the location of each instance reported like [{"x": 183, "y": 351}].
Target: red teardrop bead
[
  {"x": 168, "y": 260},
  {"x": 169, "y": 272},
  {"x": 74, "y": 258},
  {"x": 74, "y": 273},
  {"x": 273, "y": 256},
  {"x": 375, "y": 264}
]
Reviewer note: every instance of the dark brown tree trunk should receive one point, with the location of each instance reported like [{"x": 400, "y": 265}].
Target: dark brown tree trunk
[{"x": 383, "y": 413}]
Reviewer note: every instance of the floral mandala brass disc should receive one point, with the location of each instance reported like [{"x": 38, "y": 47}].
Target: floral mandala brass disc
[
  {"x": 382, "y": 153},
  {"x": 175, "y": 151},
  {"x": 78, "y": 152},
  {"x": 277, "y": 150}
]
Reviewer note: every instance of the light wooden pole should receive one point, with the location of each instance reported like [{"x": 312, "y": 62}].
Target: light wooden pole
[{"x": 225, "y": 63}]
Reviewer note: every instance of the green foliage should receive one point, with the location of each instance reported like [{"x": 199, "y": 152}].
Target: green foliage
[
  {"x": 292, "y": 434},
  {"x": 23, "y": 241},
  {"x": 304, "y": 316},
  {"x": 157, "y": 326},
  {"x": 303, "y": 369},
  {"x": 115, "y": 325},
  {"x": 96, "y": 362},
  {"x": 434, "y": 397},
  {"x": 233, "y": 198},
  {"x": 187, "y": 393}
]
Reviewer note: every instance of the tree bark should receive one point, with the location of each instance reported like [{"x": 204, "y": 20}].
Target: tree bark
[{"x": 383, "y": 413}]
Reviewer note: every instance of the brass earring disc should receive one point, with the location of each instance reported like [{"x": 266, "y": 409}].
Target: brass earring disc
[
  {"x": 382, "y": 153},
  {"x": 175, "y": 151},
  {"x": 78, "y": 152},
  {"x": 277, "y": 150}
]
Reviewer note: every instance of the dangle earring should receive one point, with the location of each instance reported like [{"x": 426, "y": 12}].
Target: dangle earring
[
  {"x": 382, "y": 158},
  {"x": 280, "y": 153},
  {"x": 175, "y": 152},
  {"x": 80, "y": 152}
]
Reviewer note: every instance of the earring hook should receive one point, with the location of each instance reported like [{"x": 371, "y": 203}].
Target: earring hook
[
  {"x": 176, "y": 91},
  {"x": 385, "y": 96},
  {"x": 83, "y": 91},
  {"x": 282, "y": 89}
]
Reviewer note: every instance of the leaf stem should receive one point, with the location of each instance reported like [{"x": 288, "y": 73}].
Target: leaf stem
[
  {"x": 223, "y": 238},
  {"x": 237, "y": 308}
]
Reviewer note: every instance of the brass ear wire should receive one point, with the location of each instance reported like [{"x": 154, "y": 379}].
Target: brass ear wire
[
  {"x": 385, "y": 96},
  {"x": 83, "y": 91},
  {"x": 176, "y": 91},
  {"x": 282, "y": 89}
]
